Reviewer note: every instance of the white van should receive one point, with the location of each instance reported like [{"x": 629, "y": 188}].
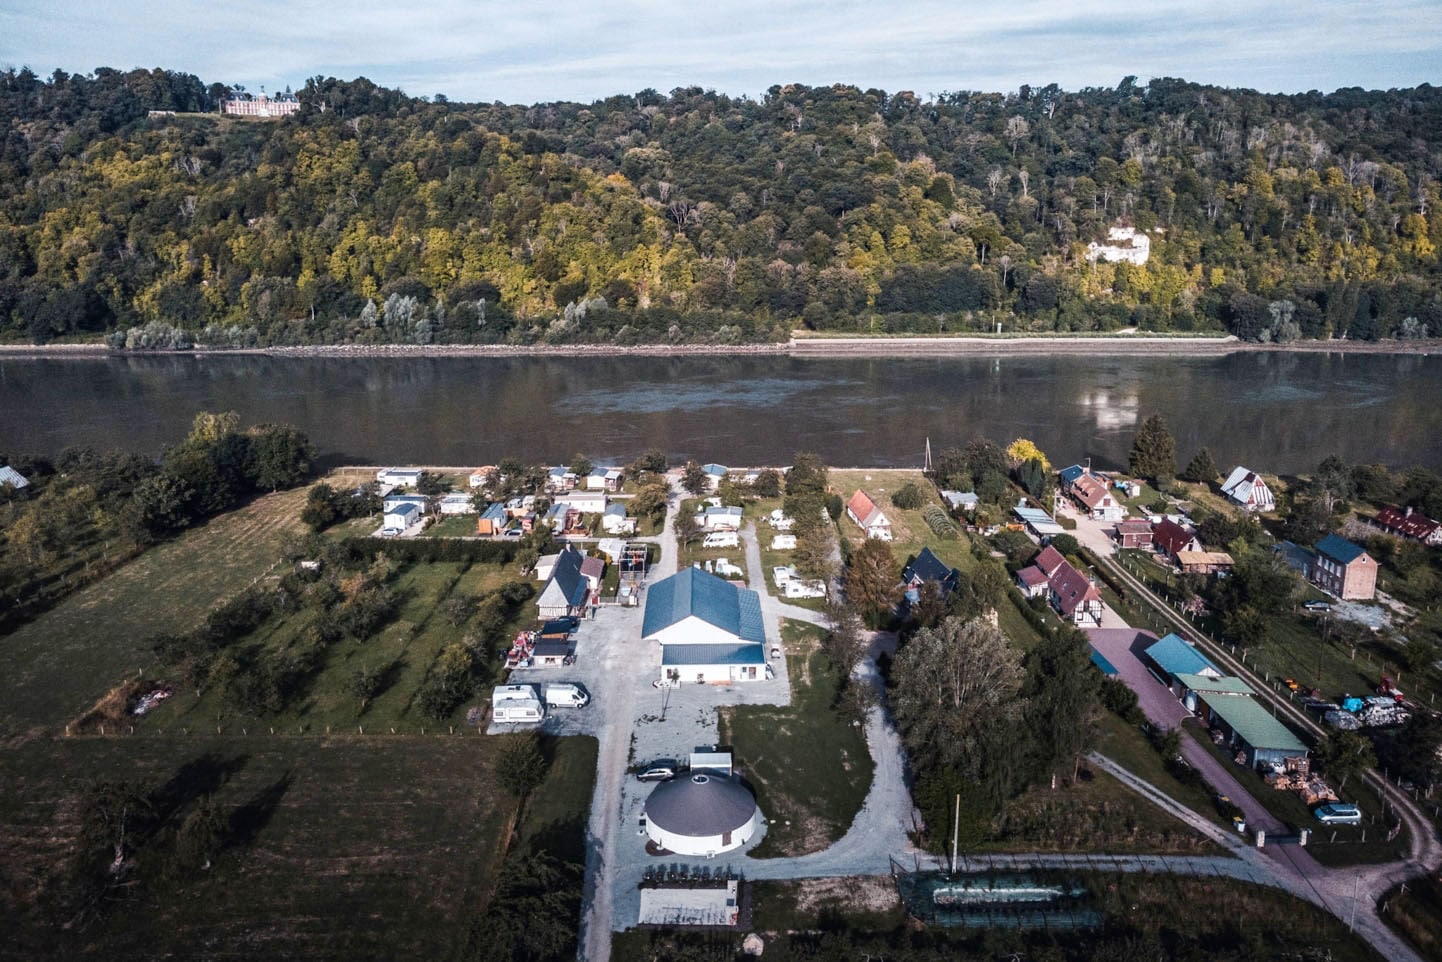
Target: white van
[
  {"x": 566, "y": 695},
  {"x": 721, "y": 539}
]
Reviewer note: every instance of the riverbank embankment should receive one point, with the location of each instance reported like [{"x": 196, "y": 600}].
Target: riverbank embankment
[{"x": 802, "y": 346}]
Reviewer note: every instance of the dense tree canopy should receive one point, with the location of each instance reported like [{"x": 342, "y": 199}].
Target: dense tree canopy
[{"x": 371, "y": 216}]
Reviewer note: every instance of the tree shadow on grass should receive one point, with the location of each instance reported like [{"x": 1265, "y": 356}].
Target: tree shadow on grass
[
  {"x": 196, "y": 778},
  {"x": 250, "y": 818}
]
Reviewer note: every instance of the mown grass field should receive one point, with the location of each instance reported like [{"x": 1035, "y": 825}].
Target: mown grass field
[
  {"x": 810, "y": 769},
  {"x": 352, "y": 848},
  {"x": 61, "y": 663},
  {"x": 909, "y": 530}
]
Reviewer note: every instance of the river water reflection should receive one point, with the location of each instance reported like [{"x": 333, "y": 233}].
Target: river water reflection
[{"x": 1274, "y": 411}]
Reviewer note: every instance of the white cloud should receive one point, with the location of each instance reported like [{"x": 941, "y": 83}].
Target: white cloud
[{"x": 581, "y": 50}]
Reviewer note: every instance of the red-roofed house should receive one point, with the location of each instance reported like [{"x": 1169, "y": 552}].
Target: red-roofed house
[
  {"x": 1074, "y": 596},
  {"x": 1095, "y": 498},
  {"x": 1406, "y": 523},
  {"x": 1032, "y": 581},
  {"x": 1134, "y": 533},
  {"x": 868, "y": 517},
  {"x": 1170, "y": 538},
  {"x": 1049, "y": 560}
]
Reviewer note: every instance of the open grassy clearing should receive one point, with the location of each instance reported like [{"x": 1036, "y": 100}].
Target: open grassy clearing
[
  {"x": 1129, "y": 748},
  {"x": 337, "y": 848},
  {"x": 1415, "y": 910},
  {"x": 910, "y": 532},
  {"x": 403, "y": 649},
  {"x": 810, "y": 768},
  {"x": 59, "y": 664}
]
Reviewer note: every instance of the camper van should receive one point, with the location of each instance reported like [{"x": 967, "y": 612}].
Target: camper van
[
  {"x": 516, "y": 704},
  {"x": 721, "y": 539},
  {"x": 566, "y": 695}
]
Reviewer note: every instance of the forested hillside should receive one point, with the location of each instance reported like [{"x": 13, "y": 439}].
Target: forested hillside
[{"x": 375, "y": 217}]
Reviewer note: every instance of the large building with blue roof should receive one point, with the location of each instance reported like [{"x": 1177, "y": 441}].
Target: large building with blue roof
[{"x": 710, "y": 630}]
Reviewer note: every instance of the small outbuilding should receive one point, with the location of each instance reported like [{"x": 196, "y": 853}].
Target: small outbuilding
[{"x": 701, "y": 814}]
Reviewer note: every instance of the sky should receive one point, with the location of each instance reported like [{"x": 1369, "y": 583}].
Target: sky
[{"x": 583, "y": 50}]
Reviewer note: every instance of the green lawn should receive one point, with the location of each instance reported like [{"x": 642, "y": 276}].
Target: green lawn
[
  {"x": 347, "y": 848},
  {"x": 1129, "y": 748},
  {"x": 453, "y": 526},
  {"x": 910, "y": 532},
  {"x": 810, "y": 769},
  {"x": 61, "y": 663}
]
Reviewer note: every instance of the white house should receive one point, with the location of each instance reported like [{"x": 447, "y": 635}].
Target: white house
[
  {"x": 714, "y": 473},
  {"x": 710, "y": 630},
  {"x": 402, "y": 516},
  {"x": 457, "y": 504},
  {"x": 1247, "y": 489},
  {"x": 1094, "y": 497},
  {"x": 478, "y": 476},
  {"x": 586, "y": 502},
  {"x": 720, "y": 518},
  {"x": 616, "y": 521},
  {"x": 392, "y": 501},
  {"x": 868, "y": 517},
  {"x": 605, "y": 479},
  {"x": 1127, "y": 244},
  {"x": 399, "y": 477}
]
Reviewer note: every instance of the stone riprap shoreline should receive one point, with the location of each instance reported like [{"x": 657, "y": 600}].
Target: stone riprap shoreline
[{"x": 798, "y": 346}]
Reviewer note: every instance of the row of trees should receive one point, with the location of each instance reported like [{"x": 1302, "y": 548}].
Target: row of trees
[{"x": 695, "y": 216}]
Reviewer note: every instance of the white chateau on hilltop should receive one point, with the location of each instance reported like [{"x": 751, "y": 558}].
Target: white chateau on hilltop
[
  {"x": 1127, "y": 244},
  {"x": 282, "y": 105}
]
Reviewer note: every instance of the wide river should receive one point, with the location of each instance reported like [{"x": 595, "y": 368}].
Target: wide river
[{"x": 1275, "y": 412}]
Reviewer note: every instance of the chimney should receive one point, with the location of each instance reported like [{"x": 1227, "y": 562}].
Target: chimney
[{"x": 1407, "y": 513}]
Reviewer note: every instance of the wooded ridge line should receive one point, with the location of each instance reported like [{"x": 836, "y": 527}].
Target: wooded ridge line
[{"x": 693, "y": 218}]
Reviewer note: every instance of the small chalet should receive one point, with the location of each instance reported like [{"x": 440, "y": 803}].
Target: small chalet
[
  {"x": 1096, "y": 499},
  {"x": 492, "y": 520},
  {"x": 479, "y": 476},
  {"x": 456, "y": 504},
  {"x": 1403, "y": 522},
  {"x": 1344, "y": 569},
  {"x": 961, "y": 500},
  {"x": 559, "y": 480},
  {"x": 928, "y": 567},
  {"x": 615, "y": 520},
  {"x": 399, "y": 477},
  {"x": 720, "y": 517},
  {"x": 393, "y": 501},
  {"x": 604, "y": 479},
  {"x": 714, "y": 473},
  {"x": 1171, "y": 538},
  {"x": 402, "y": 516},
  {"x": 1134, "y": 533},
  {"x": 1246, "y": 488},
  {"x": 587, "y": 502},
  {"x": 868, "y": 517}
]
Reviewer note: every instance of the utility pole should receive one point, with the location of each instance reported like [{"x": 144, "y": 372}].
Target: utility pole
[{"x": 955, "y": 832}]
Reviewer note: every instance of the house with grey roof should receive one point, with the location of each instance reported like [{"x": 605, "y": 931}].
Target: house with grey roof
[
  {"x": 710, "y": 630},
  {"x": 567, "y": 590},
  {"x": 1343, "y": 568}
]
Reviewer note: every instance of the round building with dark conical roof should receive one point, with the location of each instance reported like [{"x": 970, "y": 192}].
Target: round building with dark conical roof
[{"x": 702, "y": 814}]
